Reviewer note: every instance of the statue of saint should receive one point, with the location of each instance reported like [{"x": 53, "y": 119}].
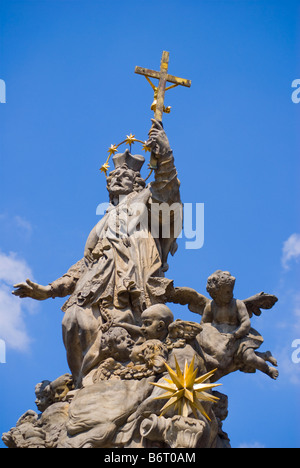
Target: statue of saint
[
  {"x": 121, "y": 339},
  {"x": 125, "y": 257}
]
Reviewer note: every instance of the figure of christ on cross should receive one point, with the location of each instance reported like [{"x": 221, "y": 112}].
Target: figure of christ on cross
[
  {"x": 164, "y": 78},
  {"x": 159, "y": 91}
]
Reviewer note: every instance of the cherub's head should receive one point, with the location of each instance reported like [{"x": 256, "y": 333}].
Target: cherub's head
[
  {"x": 43, "y": 395},
  {"x": 155, "y": 322},
  {"x": 220, "y": 286},
  {"x": 117, "y": 343},
  {"x": 61, "y": 386},
  {"x": 48, "y": 392}
]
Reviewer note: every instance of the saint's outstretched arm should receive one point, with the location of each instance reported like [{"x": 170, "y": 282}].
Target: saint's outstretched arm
[{"x": 61, "y": 287}]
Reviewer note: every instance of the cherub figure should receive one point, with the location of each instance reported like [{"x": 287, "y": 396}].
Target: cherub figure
[
  {"x": 124, "y": 360},
  {"x": 115, "y": 347},
  {"x": 116, "y": 343},
  {"x": 155, "y": 322},
  {"x": 150, "y": 349},
  {"x": 178, "y": 337},
  {"x": 26, "y": 434},
  {"x": 227, "y": 339},
  {"x": 47, "y": 392},
  {"x": 44, "y": 397}
]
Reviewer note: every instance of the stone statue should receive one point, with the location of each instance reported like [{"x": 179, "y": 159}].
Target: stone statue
[
  {"x": 227, "y": 339},
  {"x": 122, "y": 271},
  {"x": 125, "y": 351},
  {"x": 43, "y": 430}
]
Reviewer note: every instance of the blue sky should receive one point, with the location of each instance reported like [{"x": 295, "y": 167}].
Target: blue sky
[{"x": 71, "y": 92}]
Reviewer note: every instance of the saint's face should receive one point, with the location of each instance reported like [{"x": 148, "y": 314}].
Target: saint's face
[{"x": 122, "y": 182}]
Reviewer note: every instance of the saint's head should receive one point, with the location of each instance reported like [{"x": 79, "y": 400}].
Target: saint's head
[{"x": 126, "y": 177}]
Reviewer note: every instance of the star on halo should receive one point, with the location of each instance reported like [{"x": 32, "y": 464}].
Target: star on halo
[
  {"x": 104, "y": 168},
  {"x": 112, "y": 150},
  {"x": 146, "y": 148},
  {"x": 185, "y": 391},
  {"x": 130, "y": 139}
]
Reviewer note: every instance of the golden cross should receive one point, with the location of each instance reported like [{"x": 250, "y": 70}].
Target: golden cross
[{"x": 164, "y": 78}]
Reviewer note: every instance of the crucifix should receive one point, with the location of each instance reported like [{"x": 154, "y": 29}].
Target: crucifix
[
  {"x": 159, "y": 91},
  {"x": 164, "y": 78}
]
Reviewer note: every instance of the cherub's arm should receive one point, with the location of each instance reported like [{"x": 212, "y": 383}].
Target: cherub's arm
[
  {"x": 207, "y": 316},
  {"x": 196, "y": 302},
  {"x": 134, "y": 330},
  {"x": 244, "y": 320}
]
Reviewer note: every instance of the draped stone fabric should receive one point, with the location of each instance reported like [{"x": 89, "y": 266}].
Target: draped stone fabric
[
  {"x": 129, "y": 249},
  {"x": 99, "y": 411}
]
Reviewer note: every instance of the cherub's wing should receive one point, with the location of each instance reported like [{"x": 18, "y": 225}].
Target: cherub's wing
[
  {"x": 259, "y": 301},
  {"x": 184, "y": 329}
]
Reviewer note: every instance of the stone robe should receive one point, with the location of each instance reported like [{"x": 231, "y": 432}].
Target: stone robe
[{"x": 130, "y": 250}]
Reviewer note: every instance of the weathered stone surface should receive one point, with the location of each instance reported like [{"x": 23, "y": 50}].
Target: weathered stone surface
[{"x": 121, "y": 337}]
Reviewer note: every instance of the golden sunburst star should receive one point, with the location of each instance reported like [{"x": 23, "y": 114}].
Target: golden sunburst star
[{"x": 184, "y": 390}]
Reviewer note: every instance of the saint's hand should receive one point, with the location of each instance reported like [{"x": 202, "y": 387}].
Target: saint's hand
[
  {"x": 158, "y": 140},
  {"x": 33, "y": 290}
]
